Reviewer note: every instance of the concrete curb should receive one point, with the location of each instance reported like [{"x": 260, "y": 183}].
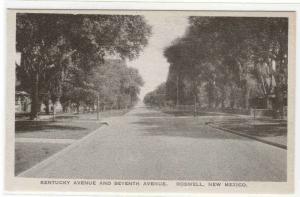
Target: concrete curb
[
  {"x": 248, "y": 136},
  {"x": 55, "y": 156}
]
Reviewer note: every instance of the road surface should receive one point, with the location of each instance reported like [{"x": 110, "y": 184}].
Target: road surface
[{"x": 148, "y": 144}]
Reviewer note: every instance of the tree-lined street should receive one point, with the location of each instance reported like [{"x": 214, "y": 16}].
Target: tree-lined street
[
  {"x": 214, "y": 101},
  {"x": 149, "y": 144}
]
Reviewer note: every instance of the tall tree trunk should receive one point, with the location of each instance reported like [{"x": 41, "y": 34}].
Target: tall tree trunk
[
  {"x": 35, "y": 103},
  {"x": 280, "y": 79},
  {"x": 232, "y": 98},
  {"x": 223, "y": 98},
  {"x": 195, "y": 87},
  {"x": 211, "y": 96},
  {"x": 279, "y": 101},
  {"x": 246, "y": 98},
  {"x": 246, "y": 94},
  {"x": 47, "y": 109},
  {"x": 77, "y": 107},
  {"x": 177, "y": 90}
]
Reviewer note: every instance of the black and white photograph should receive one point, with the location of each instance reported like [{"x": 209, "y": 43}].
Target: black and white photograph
[{"x": 144, "y": 98}]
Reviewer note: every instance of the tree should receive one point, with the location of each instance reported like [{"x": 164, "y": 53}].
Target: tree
[
  {"x": 116, "y": 84},
  {"x": 235, "y": 54},
  {"x": 54, "y": 43}
]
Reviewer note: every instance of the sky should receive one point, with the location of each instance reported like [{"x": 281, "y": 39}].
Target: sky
[{"x": 151, "y": 63}]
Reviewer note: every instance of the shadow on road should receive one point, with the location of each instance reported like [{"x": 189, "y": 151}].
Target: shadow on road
[
  {"x": 152, "y": 114},
  {"x": 191, "y": 113},
  {"x": 182, "y": 127}
]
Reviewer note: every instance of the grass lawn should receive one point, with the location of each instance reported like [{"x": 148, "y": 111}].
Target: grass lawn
[
  {"x": 29, "y": 154},
  {"x": 270, "y": 130},
  {"x": 264, "y": 128},
  {"x": 55, "y": 130},
  {"x": 259, "y": 128},
  {"x": 66, "y": 126}
]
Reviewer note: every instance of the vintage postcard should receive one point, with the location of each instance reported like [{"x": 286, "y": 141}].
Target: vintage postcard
[{"x": 150, "y": 101}]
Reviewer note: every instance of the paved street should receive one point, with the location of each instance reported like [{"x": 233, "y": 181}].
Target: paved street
[{"x": 148, "y": 144}]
